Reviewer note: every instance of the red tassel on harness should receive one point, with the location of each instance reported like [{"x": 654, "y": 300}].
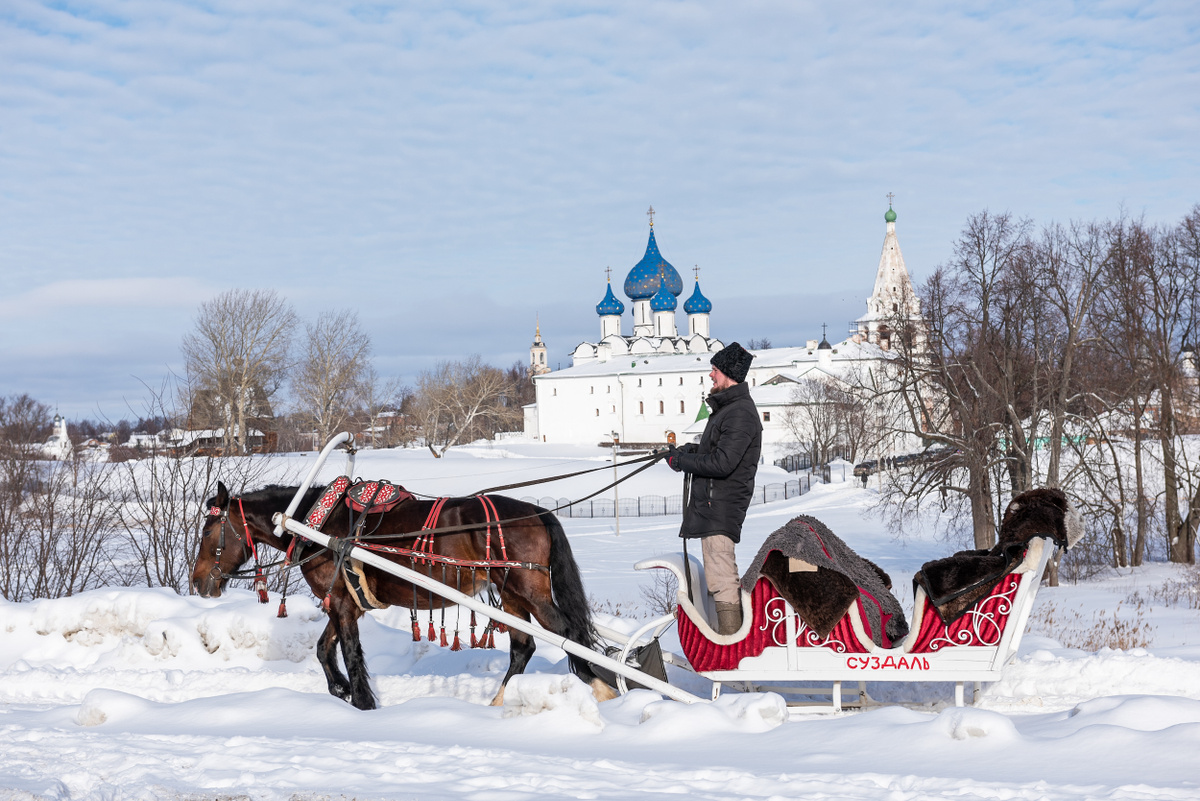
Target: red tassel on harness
[
  {"x": 491, "y": 638},
  {"x": 457, "y": 643},
  {"x": 282, "y": 608},
  {"x": 260, "y": 586},
  {"x": 444, "y": 641},
  {"x": 474, "y": 642},
  {"x": 416, "y": 631},
  {"x": 501, "y": 628},
  {"x": 432, "y": 635}
]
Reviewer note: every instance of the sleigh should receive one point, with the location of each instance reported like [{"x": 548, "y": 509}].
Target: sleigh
[{"x": 775, "y": 650}]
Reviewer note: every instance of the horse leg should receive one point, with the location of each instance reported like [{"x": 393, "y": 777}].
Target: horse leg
[
  {"x": 347, "y": 613},
  {"x": 552, "y": 619},
  {"x": 339, "y": 685},
  {"x": 520, "y": 648}
]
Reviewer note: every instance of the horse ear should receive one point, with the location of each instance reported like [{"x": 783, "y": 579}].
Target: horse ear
[{"x": 222, "y": 498}]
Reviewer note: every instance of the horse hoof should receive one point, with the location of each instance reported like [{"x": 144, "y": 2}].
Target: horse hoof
[
  {"x": 601, "y": 691},
  {"x": 499, "y": 699}
]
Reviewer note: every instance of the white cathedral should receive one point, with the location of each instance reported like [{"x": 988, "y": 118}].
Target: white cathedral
[{"x": 648, "y": 385}]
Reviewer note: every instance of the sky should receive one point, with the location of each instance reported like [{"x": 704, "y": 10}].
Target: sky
[{"x": 456, "y": 172}]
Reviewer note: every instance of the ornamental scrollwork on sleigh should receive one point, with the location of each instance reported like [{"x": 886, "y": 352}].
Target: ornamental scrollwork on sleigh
[
  {"x": 984, "y": 619},
  {"x": 775, "y": 614}
]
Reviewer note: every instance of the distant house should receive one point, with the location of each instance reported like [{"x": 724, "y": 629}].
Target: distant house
[
  {"x": 211, "y": 441},
  {"x": 140, "y": 440}
]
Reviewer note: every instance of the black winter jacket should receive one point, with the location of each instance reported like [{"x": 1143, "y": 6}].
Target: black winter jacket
[{"x": 723, "y": 466}]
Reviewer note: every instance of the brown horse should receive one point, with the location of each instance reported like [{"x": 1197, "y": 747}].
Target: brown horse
[{"x": 552, "y": 592}]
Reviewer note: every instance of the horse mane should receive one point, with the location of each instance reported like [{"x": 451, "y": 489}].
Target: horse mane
[{"x": 282, "y": 495}]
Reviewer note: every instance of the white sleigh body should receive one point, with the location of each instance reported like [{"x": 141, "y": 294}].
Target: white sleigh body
[{"x": 776, "y": 647}]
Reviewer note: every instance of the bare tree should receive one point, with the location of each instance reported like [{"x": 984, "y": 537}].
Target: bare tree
[
  {"x": 56, "y": 517},
  {"x": 384, "y": 403},
  {"x": 328, "y": 382},
  {"x": 966, "y": 380},
  {"x": 818, "y": 417},
  {"x": 24, "y": 422},
  {"x": 162, "y": 504},
  {"x": 461, "y": 401},
  {"x": 237, "y": 359}
]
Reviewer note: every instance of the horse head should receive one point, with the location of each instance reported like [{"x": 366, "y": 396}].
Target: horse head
[{"x": 223, "y": 544}]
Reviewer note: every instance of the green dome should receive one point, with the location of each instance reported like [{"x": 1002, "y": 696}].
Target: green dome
[{"x": 890, "y": 216}]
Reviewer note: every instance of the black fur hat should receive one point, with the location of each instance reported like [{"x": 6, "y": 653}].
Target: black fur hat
[{"x": 734, "y": 361}]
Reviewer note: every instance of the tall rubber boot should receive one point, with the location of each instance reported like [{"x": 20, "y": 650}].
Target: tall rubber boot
[{"x": 729, "y": 618}]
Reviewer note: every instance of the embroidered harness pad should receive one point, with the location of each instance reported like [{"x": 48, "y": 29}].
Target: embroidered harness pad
[
  {"x": 375, "y": 497},
  {"x": 320, "y": 510}
]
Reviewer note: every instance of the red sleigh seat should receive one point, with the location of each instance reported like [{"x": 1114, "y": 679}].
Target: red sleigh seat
[{"x": 768, "y": 628}]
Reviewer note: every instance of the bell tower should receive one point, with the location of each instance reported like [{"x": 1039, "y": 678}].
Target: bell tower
[{"x": 537, "y": 353}]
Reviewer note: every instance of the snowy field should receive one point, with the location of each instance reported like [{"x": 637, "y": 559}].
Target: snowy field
[{"x": 141, "y": 694}]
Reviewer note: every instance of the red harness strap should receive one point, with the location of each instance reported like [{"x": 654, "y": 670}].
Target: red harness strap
[
  {"x": 490, "y": 514},
  {"x": 260, "y": 582},
  {"x": 424, "y": 543}
]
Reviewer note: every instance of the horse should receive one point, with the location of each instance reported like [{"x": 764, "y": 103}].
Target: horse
[{"x": 549, "y": 589}]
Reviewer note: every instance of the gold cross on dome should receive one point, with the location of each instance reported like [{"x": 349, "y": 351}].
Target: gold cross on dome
[
  {"x": 650, "y": 214},
  {"x": 608, "y": 274},
  {"x": 890, "y": 196},
  {"x": 696, "y": 272}
]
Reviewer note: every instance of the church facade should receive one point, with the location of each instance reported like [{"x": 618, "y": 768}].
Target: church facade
[{"x": 647, "y": 386}]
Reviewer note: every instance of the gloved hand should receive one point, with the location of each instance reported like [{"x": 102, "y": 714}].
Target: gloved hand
[{"x": 673, "y": 457}]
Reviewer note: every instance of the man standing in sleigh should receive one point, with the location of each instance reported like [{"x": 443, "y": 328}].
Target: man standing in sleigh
[{"x": 722, "y": 467}]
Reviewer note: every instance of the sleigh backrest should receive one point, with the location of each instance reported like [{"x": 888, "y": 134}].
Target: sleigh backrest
[{"x": 997, "y": 620}]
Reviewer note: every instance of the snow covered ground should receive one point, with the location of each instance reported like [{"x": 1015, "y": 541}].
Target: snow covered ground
[{"x": 132, "y": 694}]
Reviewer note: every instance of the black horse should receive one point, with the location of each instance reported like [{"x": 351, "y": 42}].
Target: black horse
[{"x": 552, "y": 592}]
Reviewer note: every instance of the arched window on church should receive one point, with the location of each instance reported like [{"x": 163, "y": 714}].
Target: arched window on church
[
  {"x": 660, "y": 407},
  {"x": 641, "y": 407},
  {"x": 681, "y": 407}
]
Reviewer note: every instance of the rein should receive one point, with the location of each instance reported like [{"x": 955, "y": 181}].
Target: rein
[{"x": 650, "y": 459}]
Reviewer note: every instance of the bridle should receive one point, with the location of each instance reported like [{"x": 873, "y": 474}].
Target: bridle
[{"x": 216, "y": 574}]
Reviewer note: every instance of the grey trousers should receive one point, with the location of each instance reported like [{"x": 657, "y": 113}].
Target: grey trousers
[{"x": 720, "y": 569}]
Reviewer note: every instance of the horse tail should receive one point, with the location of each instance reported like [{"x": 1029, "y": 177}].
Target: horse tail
[{"x": 569, "y": 595}]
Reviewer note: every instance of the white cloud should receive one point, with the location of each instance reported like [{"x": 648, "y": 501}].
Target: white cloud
[
  {"x": 512, "y": 148},
  {"x": 116, "y": 296}
]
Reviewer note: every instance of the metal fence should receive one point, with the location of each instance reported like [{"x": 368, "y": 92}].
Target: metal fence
[{"x": 652, "y": 505}]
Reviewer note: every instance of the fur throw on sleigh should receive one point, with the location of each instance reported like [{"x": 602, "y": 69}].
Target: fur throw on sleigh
[
  {"x": 821, "y": 577},
  {"x": 956, "y": 583}
]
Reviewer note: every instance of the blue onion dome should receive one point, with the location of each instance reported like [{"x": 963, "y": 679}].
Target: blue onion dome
[
  {"x": 651, "y": 272},
  {"x": 663, "y": 300},
  {"x": 610, "y": 304},
  {"x": 697, "y": 303}
]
